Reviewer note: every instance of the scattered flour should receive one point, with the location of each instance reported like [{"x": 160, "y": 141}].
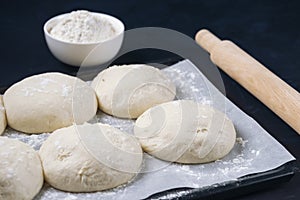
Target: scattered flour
[
  {"x": 241, "y": 159},
  {"x": 240, "y": 141}
]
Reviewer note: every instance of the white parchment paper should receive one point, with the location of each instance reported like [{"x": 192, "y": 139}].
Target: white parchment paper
[{"x": 255, "y": 150}]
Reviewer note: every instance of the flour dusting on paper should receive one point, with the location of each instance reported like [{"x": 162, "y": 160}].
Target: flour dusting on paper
[{"x": 255, "y": 150}]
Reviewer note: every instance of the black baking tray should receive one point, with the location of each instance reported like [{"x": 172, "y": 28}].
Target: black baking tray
[{"x": 226, "y": 190}]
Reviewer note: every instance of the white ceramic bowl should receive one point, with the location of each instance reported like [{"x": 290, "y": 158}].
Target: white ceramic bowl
[{"x": 75, "y": 53}]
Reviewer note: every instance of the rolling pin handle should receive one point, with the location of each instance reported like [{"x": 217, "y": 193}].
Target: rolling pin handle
[{"x": 207, "y": 39}]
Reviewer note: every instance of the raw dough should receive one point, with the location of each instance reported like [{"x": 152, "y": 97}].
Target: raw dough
[
  {"x": 185, "y": 132},
  {"x": 90, "y": 157},
  {"x": 21, "y": 174},
  {"x": 127, "y": 91},
  {"x": 46, "y": 102},
  {"x": 3, "y": 122}
]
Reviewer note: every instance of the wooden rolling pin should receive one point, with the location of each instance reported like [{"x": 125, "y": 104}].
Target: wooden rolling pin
[{"x": 281, "y": 98}]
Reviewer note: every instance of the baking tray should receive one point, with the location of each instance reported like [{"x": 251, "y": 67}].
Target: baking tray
[{"x": 226, "y": 190}]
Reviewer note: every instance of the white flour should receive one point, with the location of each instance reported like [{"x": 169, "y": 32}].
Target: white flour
[{"x": 82, "y": 27}]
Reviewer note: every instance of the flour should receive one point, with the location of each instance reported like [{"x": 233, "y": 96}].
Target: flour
[
  {"x": 82, "y": 27},
  {"x": 240, "y": 141}
]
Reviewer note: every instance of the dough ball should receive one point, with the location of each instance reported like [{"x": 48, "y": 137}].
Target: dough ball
[
  {"x": 3, "y": 122},
  {"x": 46, "y": 102},
  {"x": 90, "y": 157},
  {"x": 185, "y": 132},
  {"x": 127, "y": 91},
  {"x": 21, "y": 174}
]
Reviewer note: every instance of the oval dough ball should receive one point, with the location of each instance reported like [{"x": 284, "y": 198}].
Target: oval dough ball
[
  {"x": 90, "y": 157},
  {"x": 185, "y": 132},
  {"x": 46, "y": 102},
  {"x": 127, "y": 91},
  {"x": 3, "y": 122},
  {"x": 21, "y": 174}
]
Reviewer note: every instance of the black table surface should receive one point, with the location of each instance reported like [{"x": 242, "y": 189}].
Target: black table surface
[{"x": 268, "y": 30}]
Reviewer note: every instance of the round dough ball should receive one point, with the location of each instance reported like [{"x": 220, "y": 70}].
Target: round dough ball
[
  {"x": 127, "y": 91},
  {"x": 90, "y": 157},
  {"x": 3, "y": 122},
  {"x": 21, "y": 174},
  {"x": 46, "y": 102},
  {"x": 185, "y": 132}
]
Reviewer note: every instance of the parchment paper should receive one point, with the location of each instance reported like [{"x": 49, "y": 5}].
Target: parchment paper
[{"x": 255, "y": 150}]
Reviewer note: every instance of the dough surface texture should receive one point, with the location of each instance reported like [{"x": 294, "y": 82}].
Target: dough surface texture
[
  {"x": 90, "y": 157},
  {"x": 127, "y": 91},
  {"x": 3, "y": 121},
  {"x": 185, "y": 132},
  {"x": 21, "y": 174},
  {"x": 49, "y": 101}
]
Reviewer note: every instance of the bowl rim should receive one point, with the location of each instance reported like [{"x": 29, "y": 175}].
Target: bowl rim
[{"x": 107, "y": 16}]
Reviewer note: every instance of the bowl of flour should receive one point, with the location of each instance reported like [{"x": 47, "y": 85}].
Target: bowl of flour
[{"x": 82, "y": 34}]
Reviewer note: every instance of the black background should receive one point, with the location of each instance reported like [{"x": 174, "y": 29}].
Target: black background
[{"x": 268, "y": 30}]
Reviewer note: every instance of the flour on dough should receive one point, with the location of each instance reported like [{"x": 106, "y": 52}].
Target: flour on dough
[
  {"x": 127, "y": 91},
  {"x": 21, "y": 174},
  {"x": 46, "y": 102},
  {"x": 90, "y": 157},
  {"x": 185, "y": 132}
]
